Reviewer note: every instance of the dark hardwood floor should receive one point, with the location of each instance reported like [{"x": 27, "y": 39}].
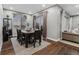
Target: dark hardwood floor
[
  {"x": 7, "y": 48},
  {"x": 55, "y": 48},
  {"x": 58, "y": 48}
]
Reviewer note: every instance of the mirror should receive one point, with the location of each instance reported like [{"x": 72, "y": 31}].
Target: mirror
[{"x": 70, "y": 23}]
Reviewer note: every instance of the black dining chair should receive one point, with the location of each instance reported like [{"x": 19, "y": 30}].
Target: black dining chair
[
  {"x": 29, "y": 39},
  {"x": 37, "y": 36},
  {"x": 20, "y": 37}
]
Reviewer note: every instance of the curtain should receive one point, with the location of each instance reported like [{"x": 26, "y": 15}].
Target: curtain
[{"x": 45, "y": 25}]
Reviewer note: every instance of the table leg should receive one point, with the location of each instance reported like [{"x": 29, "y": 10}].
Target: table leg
[{"x": 26, "y": 42}]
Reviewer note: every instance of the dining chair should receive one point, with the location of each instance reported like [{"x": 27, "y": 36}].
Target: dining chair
[
  {"x": 37, "y": 36},
  {"x": 20, "y": 37}
]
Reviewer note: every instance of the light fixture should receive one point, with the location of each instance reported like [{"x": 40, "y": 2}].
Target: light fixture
[{"x": 43, "y": 5}]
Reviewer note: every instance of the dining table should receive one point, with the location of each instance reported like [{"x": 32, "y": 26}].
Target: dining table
[{"x": 27, "y": 34}]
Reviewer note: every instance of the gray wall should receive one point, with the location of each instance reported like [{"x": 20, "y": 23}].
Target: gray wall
[
  {"x": 1, "y": 25},
  {"x": 17, "y": 20},
  {"x": 53, "y": 23}
]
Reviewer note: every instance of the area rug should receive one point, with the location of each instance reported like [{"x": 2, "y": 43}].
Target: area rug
[{"x": 21, "y": 50}]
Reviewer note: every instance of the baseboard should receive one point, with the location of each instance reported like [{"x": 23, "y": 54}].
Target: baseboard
[
  {"x": 53, "y": 39},
  {"x": 70, "y": 43}
]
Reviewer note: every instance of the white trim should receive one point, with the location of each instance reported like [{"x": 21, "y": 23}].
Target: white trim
[
  {"x": 53, "y": 39},
  {"x": 63, "y": 41},
  {"x": 70, "y": 43}
]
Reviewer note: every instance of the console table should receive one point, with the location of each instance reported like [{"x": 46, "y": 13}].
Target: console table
[{"x": 70, "y": 36}]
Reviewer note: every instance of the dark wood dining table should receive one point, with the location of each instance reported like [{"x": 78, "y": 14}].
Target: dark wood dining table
[{"x": 27, "y": 35}]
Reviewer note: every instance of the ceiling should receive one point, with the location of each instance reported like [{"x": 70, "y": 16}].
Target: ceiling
[
  {"x": 27, "y": 8},
  {"x": 72, "y": 9}
]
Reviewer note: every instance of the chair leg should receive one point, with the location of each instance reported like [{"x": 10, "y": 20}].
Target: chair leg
[
  {"x": 26, "y": 41},
  {"x": 40, "y": 41},
  {"x": 21, "y": 43},
  {"x": 34, "y": 43}
]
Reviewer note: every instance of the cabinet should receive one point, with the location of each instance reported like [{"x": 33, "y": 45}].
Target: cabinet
[{"x": 70, "y": 37}]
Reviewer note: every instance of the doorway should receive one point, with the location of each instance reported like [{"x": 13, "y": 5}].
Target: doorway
[{"x": 7, "y": 28}]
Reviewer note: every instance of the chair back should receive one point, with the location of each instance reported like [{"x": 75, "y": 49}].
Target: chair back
[
  {"x": 37, "y": 34},
  {"x": 19, "y": 34}
]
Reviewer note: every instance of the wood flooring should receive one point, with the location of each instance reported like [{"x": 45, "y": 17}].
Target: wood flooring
[
  {"x": 55, "y": 48},
  {"x": 7, "y": 48},
  {"x": 58, "y": 48}
]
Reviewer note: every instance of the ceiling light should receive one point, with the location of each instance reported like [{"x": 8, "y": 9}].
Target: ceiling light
[
  {"x": 43, "y": 5},
  {"x": 77, "y": 6}
]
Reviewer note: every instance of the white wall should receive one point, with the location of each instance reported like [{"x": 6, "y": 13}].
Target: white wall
[
  {"x": 53, "y": 23},
  {"x": 1, "y": 25},
  {"x": 71, "y": 28}
]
